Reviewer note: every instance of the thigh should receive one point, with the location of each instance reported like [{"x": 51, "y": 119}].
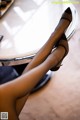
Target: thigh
[
  {"x": 20, "y": 103},
  {"x": 8, "y": 105}
]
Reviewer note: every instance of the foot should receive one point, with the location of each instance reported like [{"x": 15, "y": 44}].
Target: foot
[
  {"x": 67, "y": 14},
  {"x": 62, "y": 26},
  {"x": 64, "y": 44}
]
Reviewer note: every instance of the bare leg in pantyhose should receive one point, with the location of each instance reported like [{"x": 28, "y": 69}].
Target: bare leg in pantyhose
[
  {"x": 12, "y": 93},
  {"x": 46, "y": 49}
]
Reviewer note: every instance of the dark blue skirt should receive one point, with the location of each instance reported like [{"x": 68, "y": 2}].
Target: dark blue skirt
[{"x": 7, "y": 73}]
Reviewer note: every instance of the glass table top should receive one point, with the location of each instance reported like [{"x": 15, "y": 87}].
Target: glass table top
[{"x": 28, "y": 24}]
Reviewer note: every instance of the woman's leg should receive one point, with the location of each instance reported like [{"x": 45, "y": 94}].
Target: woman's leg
[
  {"x": 55, "y": 36},
  {"x": 21, "y": 86},
  {"x": 52, "y": 40},
  {"x": 46, "y": 49}
]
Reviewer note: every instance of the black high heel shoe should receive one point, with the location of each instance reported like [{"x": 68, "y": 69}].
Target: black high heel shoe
[
  {"x": 63, "y": 38},
  {"x": 67, "y": 15}
]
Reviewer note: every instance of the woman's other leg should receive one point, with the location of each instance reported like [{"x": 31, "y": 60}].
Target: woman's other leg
[
  {"x": 47, "y": 48},
  {"x": 24, "y": 84}
]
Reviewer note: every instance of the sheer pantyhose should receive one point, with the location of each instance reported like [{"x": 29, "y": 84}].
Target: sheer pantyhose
[{"x": 13, "y": 94}]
